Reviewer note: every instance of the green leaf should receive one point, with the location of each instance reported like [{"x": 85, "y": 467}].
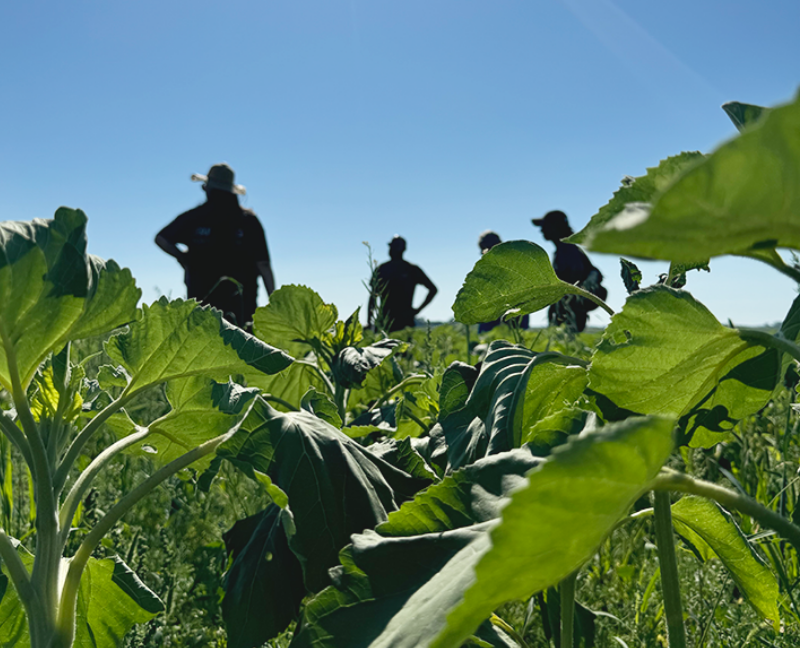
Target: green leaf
[
  {"x": 111, "y": 600},
  {"x": 513, "y": 278},
  {"x": 393, "y": 581},
  {"x": 335, "y": 486},
  {"x": 292, "y": 383},
  {"x": 47, "y": 292},
  {"x": 254, "y": 608},
  {"x": 322, "y": 406},
  {"x": 714, "y": 534},
  {"x": 743, "y": 115},
  {"x": 402, "y": 454},
  {"x": 739, "y": 200},
  {"x": 113, "y": 299},
  {"x": 294, "y": 317},
  {"x": 351, "y": 364},
  {"x": 637, "y": 191},
  {"x": 631, "y": 276},
  {"x": 665, "y": 353},
  {"x": 178, "y": 339},
  {"x": 579, "y": 493},
  {"x": 202, "y": 410}
]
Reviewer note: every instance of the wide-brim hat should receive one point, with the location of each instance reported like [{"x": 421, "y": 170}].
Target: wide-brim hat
[{"x": 220, "y": 176}]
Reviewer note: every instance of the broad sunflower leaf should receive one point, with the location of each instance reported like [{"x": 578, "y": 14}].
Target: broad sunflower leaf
[
  {"x": 580, "y": 492},
  {"x": 743, "y": 115},
  {"x": 202, "y": 410},
  {"x": 404, "y": 572},
  {"x": 253, "y": 607},
  {"x": 638, "y": 191},
  {"x": 739, "y": 200},
  {"x": 178, "y": 339},
  {"x": 335, "y": 487},
  {"x": 294, "y": 317},
  {"x": 351, "y": 365},
  {"x": 714, "y": 534},
  {"x": 111, "y": 600},
  {"x": 51, "y": 292},
  {"x": 665, "y": 353},
  {"x": 513, "y": 278}
]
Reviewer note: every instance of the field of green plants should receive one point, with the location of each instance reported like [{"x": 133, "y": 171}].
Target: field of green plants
[{"x": 167, "y": 479}]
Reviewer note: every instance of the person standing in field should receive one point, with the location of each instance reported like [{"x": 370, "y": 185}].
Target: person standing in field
[
  {"x": 391, "y": 297},
  {"x": 221, "y": 247},
  {"x": 572, "y": 266}
]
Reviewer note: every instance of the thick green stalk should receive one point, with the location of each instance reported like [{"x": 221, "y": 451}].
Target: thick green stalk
[
  {"x": 15, "y": 435},
  {"x": 566, "y": 590},
  {"x": 670, "y": 584},
  {"x": 84, "y": 481}
]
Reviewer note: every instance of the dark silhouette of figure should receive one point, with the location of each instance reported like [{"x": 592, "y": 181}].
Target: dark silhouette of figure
[
  {"x": 393, "y": 283},
  {"x": 571, "y": 266},
  {"x": 486, "y": 241},
  {"x": 225, "y": 248}
]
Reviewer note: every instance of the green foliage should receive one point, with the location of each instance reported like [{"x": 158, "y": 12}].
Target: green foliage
[{"x": 513, "y": 278}]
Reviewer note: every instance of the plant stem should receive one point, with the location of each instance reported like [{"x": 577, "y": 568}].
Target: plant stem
[
  {"x": 577, "y": 290},
  {"x": 84, "y": 481},
  {"x": 411, "y": 380},
  {"x": 771, "y": 341},
  {"x": 320, "y": 372},
  {"x": 670, "y": 584},
  {"x": 279, "y": 401},
  {"x": 15, "y": 435},
  {"x": 69, "y": 594},
  {"x": 509, "y": 630},
  {"x": 566, "y": 590},
  {"x": 670, "y": 480}
]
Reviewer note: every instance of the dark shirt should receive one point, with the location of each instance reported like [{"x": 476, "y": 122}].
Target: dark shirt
[
  {"x": 571, "y": 263},
  {"x": 394, "y": 283},
  {"x": 222, "y": 241}
]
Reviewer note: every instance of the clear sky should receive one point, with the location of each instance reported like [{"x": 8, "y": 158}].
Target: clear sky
[{"x": 354, "y": 120}]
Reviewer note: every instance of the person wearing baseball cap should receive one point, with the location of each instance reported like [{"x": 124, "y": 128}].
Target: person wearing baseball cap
[
  {"x": 572, "y": 266},
  {"x": 224, "y": 249}
]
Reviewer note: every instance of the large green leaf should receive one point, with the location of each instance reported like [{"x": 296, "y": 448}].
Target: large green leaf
[
  {"x": 740, "y": 200},
  {"x": 111, "y": 600},
  {"x": 178, "y": 339},
  {"x": 558, "y": 520},
  {"x": 202, "y": 410},
  {"x": 665, "y": 353},
  {"x": 335, "y": 486},
  {"x": 292, "y": 383},
  {"x": 50, "y": 292},
  {"x": 294, "y": 317},
  {"x": 643, "y": 189},
  {"x": 743, "y": 115},
  {"x": 714, "y": 534},
  {"x": 264, "y": 584},
  {"x": 512, "y": 278},
  {"x": 393, "y": 581}
]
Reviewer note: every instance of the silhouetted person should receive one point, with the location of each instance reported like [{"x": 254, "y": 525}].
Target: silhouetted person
[
  {"x": 225, "y": 248},
  {"x": 573, "y": 267},
  {"x": 486, "y": 241},
  {"x": 393, "y": 283}
]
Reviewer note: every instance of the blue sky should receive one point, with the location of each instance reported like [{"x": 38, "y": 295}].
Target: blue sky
[{"x": 354, "y": 120}]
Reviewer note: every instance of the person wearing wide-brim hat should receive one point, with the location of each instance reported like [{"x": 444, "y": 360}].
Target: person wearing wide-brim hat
[
  {"x": 572, "y": 266},
  {"x": 225, "y": 248}
]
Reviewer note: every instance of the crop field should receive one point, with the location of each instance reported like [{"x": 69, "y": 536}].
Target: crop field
[{"x": 168, "y": 479}]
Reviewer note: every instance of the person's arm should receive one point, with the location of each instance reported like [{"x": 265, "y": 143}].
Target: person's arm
[
  {"x": 432, "y": 290},
  {"x": 265, "y": 270},
  {"x": 171, "y": 248}
]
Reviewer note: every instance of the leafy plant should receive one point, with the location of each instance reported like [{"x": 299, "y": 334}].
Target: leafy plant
[{"x": 52, "y": 294}]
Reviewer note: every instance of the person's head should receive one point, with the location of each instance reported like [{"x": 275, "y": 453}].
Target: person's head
[
  {"x": 554, "y": 225},
  {"x": 396, "y": 247},
  {"x": 487, "y": 240},
  {"x": 218, "y": 184}
]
